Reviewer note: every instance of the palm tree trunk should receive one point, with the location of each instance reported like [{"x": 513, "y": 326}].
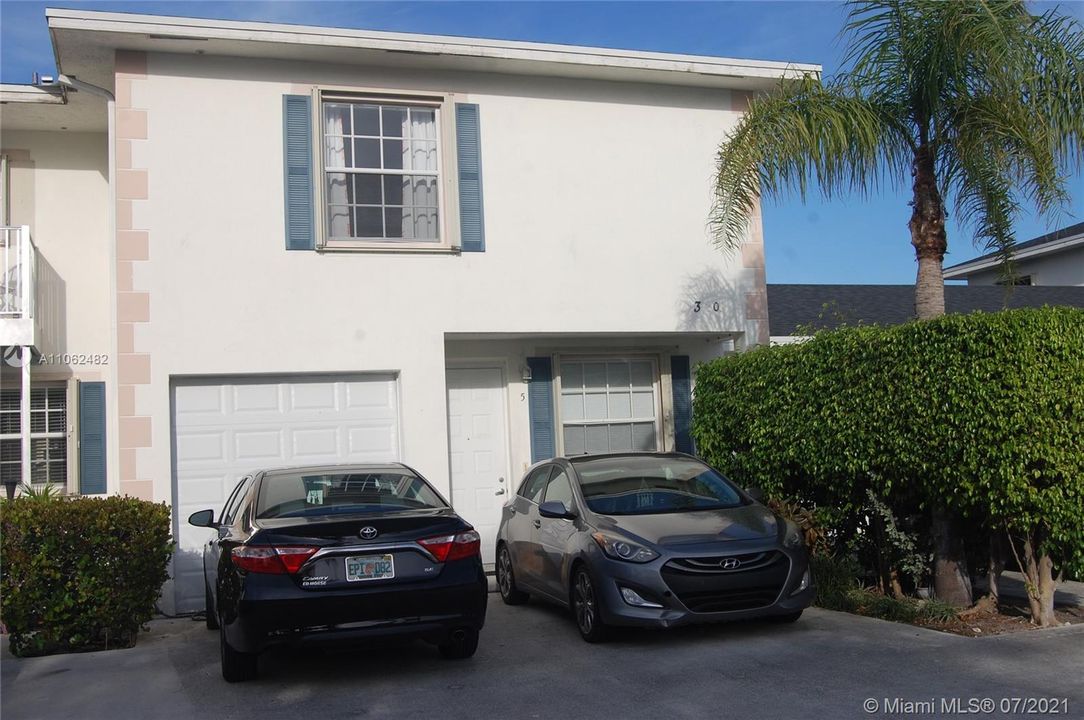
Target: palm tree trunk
[
  {"x": 951, "y": 581},
  {"x": 928, "y": 236}
]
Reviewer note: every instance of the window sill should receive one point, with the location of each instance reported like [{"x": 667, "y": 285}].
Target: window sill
[{"x": 390, "y": 248}]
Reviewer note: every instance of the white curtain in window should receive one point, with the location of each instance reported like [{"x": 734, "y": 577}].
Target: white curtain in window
[{"x": 338, "y": 195}]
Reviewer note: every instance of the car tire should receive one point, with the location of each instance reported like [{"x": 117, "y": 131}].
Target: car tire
[
  {"x": 506, "y": 579},
  {"x": 210, "y": 615},
  {"x": 788, "y": 618},
  {"x": 462, "y": 644},
  {"x": 236, "y": 666},
  {"x": 586, "y": 606}
]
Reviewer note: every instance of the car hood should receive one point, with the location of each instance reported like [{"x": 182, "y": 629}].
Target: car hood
[{"x": 749, "y": 522}]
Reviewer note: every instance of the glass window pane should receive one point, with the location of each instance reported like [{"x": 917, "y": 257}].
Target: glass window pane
[
  {"x": 366, "y": 154},
  {"x": 598, "y": 439},
  {"x": 594, "y": 406},
  {"x": 619, "y": 405},
  {"x": 393, "y": 222},
  {"x": 340, "y": 190},
  {"x": 394, "y": 121},
  {"x": 337, "y": 119},
  {"x": 10, "y": 450},
  {"x": 571, "y": 376},
  {"x": 594, "y": 376},
  {"x": 339, "y": 221},
  {"x": 425, "y": 192},
  {"x": 642, "y": 377},
  {"x": 367, "y": 189},
  {"x": 58, "y": 448},
  {"x": 571, "y": 407},
  {"x": 393, "y": 154},
  {"x": 425, "y": 155},
  {"x": 56, "y": 422},
  {"x": 423, "y": 122},
  {"x": 620, "y": 438},
  {"x": 617, "y": 374},
  {"x": 643, "y": 437},
  {"x": 408, "y": 223},
  {"x": 369, "y": 222},
  {"x": 393, "y": 189},
  {"x": 37, "y": 398},
  {"x": 574, "y": 440},
  {"x": 643, "y": 404},
  {"x": 9, "y": 423},
  {"x": 37, "y": 422},
  {"x": 339, "y": 153},
  {"x": 425, "y": 225},
  {"x": 366, "y": 120}
]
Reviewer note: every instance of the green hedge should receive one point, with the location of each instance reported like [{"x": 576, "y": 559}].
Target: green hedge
[
  {"x": 80, "y": 574},
  {"x": 983, "y": 413}
]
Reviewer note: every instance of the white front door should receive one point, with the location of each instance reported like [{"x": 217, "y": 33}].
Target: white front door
[{"x": 478, "y": 450}]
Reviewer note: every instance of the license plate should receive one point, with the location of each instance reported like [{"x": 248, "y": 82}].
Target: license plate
[{"x": 369, "y": 567}]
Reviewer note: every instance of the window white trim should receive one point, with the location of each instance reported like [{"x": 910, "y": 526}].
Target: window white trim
[
  {"x": 447, "y": 168},
  {"x": 70, "y": 449}
]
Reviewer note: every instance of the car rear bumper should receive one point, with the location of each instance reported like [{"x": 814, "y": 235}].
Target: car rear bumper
[
  {"x": 279, "y": 613},
  {"x": 650, "y": 584}
]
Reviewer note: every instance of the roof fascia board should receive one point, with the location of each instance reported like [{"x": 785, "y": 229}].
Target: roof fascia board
[{"x": 964, "y": 269}]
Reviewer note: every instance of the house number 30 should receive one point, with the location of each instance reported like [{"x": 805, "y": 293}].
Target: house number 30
[{"x": 697, "y": 306}]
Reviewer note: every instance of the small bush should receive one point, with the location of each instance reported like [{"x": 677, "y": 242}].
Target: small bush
[
  {"x": 80, "y": 574},
  {"x": 835, "y": 579},
  {"x": 936, "y": 611}
]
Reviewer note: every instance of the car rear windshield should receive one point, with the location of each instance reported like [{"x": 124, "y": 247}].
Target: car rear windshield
[
  {"x": 294, "y": 495},
  {"x": 652, "y": 485}
]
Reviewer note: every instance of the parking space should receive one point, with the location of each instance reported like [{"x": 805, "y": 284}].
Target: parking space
[{"x": 532, "y": 664}]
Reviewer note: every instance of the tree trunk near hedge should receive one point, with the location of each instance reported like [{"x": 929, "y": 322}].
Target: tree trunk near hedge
[
  {"x": 1039, "y": 571},
  {"x": 927, "y": 225}
]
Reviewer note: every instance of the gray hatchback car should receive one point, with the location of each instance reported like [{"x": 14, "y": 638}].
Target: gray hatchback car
[{"x": 656, "y": 540}]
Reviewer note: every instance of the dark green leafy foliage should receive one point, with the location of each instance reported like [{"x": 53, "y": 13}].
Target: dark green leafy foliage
[
  {"x": 80, "y": 574},
  {"x": 980, "y": 413}
]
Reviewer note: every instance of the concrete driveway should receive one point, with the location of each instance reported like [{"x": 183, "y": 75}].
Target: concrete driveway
[{"x": 532, "y": 664}]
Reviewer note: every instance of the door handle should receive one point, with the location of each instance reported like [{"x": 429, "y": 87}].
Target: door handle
[
  {"x": 538, "y": 523},
  {"x": 499, "y": 492}
]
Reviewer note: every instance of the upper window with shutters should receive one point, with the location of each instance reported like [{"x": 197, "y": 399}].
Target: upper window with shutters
[{"x": 386, "y": 171}]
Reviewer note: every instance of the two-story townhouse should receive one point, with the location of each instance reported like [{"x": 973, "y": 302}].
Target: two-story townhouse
[{"x": 331, "y": 245}]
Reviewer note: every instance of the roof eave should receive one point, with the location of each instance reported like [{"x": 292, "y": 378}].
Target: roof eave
[{"x": 962, "y": 270}]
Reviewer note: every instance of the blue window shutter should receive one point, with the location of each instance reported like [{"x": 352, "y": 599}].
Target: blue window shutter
[
  {"x": 91, "y": 438},
  {"x": 297, "y": 163},
  {"x": 472, "y": 231},
  {"x": 681, "y": 382},
  {"x": 540, "y": 408}
]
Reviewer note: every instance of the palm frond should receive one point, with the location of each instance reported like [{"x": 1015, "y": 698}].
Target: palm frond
[{"x": 804, "y": 132}]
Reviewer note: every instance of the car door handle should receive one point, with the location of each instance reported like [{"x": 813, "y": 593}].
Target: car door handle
[
  {"x": 538, "y": 523},
  {"x": 499, "y": 492}
]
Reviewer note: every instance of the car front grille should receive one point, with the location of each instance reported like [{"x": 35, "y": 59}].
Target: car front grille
[{"x": 703, "y": 585}]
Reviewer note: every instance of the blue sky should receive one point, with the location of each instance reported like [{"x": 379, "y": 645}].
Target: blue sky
[{"x": 851, "y": 239}]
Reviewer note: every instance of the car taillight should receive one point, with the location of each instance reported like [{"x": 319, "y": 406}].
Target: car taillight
[
  {"x": 453, "y": 547},
  {"x": 273, "y": 560}
]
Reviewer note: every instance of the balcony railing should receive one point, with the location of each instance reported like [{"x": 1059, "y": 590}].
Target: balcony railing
[{"x": 31, "y": 294}]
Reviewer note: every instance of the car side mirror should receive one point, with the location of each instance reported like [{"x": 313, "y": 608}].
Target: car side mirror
[
  {"x": 555, "y": 509},
  {"x": 755, "y": 493},
  {"x": 203, "y": 518}
]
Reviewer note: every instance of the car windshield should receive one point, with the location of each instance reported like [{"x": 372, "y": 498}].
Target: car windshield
[
  {"x": 651, "y": 485},
  {"x": 356, "y": 491}
]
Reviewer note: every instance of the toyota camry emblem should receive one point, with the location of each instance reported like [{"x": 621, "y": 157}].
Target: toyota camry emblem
[
  {"x": 730, "y": 563},
  {"x": 368, "y": 532}
]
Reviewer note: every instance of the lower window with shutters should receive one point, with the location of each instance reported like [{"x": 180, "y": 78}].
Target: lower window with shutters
[
  {"x": 609, "y": 405},
  {"x": 48, "y": 434}
]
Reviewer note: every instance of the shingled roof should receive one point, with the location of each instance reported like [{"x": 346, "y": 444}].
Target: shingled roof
[
  {"x": 1062, "y": 234},
  {"x": 829, "y": 306}
]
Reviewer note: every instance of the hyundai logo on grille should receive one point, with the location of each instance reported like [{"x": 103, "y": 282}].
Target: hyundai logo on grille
[
  {"x": 368, "y": 532},
  {"x": 730, "y": 563}
]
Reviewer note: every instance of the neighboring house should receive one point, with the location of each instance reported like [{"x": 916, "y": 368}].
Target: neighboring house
[
  {"x": 1056, "y": 258},
  {"x": 277, "y": 245},
  {"x": 795, "y": 309}
]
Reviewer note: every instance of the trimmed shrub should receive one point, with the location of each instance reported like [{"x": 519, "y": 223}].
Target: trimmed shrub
[
  {"x": 835, "y": 580},
  {"x": 81, "y": 573},
  {"x": 982, "y": 414}
]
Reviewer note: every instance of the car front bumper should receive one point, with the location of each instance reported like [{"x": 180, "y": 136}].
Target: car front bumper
[
  {"x": 649, "y": 582},
  {"x": 273, "y": 612}
]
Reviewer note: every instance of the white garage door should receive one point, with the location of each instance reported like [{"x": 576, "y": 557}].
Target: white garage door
[{"x": 224, "y": 428}]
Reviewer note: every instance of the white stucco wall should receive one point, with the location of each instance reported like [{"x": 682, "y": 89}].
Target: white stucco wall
[
  {"x": 60, "y": 188},
  {"x": 596, "y": 205},
  {"x": 1062, "y": 268}
]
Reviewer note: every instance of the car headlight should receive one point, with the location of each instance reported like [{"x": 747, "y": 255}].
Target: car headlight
[
  {"x": 621, "y": 549},
  {"x": 793, "y": 537}
]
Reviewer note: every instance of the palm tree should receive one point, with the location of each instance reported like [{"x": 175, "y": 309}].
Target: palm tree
[{"x": 981, "y": 101}]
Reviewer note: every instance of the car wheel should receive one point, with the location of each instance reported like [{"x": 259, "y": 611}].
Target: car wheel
[
  {"x": 462, "y": 644},
  {"x": 788, "y": 618},
  {"x": 210, "y": 615},
  {"x": 506, "y": 579},
  {"x": 585, "y": 607},
  {"x": 236, "y": 666}
]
